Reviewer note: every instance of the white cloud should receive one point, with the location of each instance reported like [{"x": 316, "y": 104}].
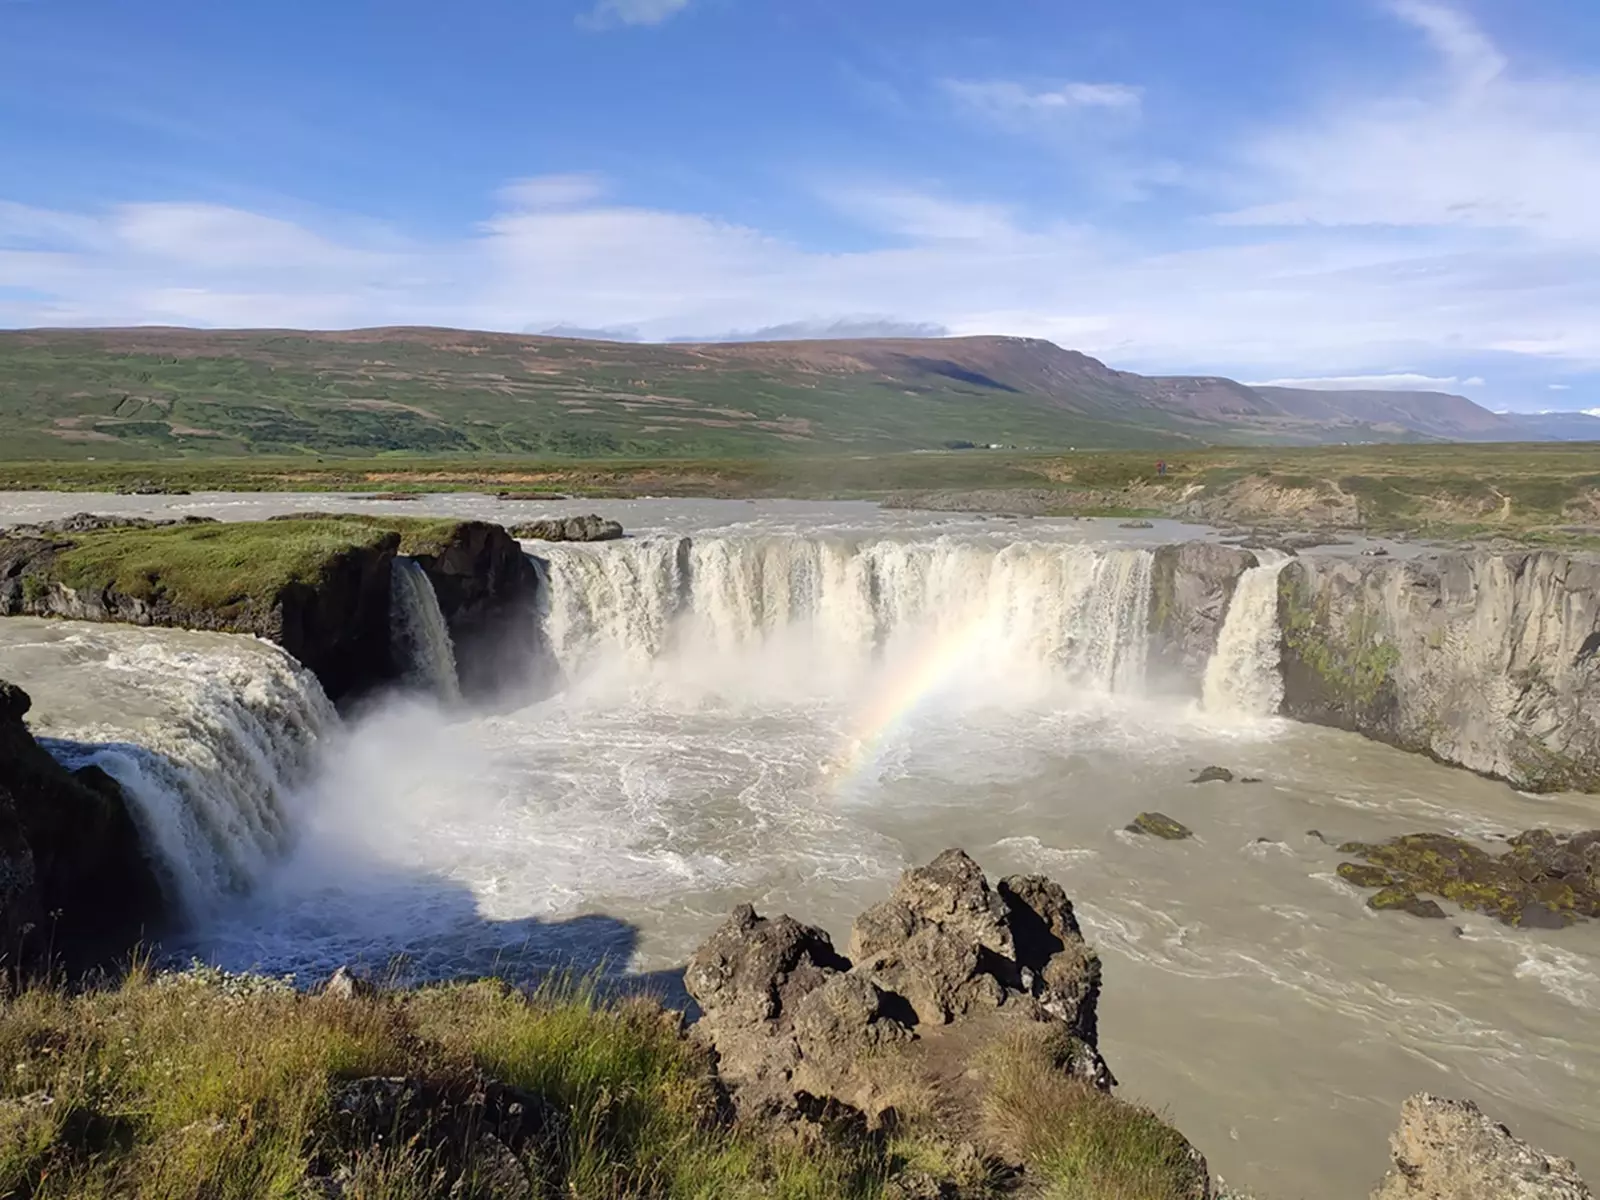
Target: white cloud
[
  {"x": 1008, "y": 99},
  {"x": 551, "y": 191},
  {"x": 1473, "y": 146},
  {"x": 1591, "y": 412},
  {"x": 608, "y": 14},
  {"x": 1397, "y": 382},
  {"x": 1559, "y": 387}
]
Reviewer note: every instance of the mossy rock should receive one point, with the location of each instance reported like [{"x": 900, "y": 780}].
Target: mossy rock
[
  {"x": 1364, "y": 875},
  {"x": 1160, "y": 825},
  {"x": 1404, "y": 900},
  {"x": 1544, "y": 879},
  {"x": 1213, "y": 775}
]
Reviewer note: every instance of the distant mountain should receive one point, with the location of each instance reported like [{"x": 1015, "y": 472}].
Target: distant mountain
[
  {"x": 134, "y": 393},
  {"x": 1557, "y": 426}
]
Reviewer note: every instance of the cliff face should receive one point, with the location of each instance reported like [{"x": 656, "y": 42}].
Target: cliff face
[
  {"x": 1192, "y": 584},
  {"x": 318, "y": 586},
  {"x": 1489, "y": 661},
  {"x": 72, "y": 875}
]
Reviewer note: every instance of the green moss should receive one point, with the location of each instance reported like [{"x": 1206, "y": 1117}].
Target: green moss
[
  {"x": 1362, "y": 875},
  {"x": 1160, "y": 825},
  {"x": 227, "y": 566},
  {"x": 1352, "y": 664}
]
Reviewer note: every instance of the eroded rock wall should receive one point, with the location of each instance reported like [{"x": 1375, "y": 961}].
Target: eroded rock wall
[
  {"x": 1192, "y": 584},
  {"x": 1490, "y": 661}
]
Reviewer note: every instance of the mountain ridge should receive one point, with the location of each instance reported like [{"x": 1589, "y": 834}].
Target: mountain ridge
[{"x": 169, "y": 390}]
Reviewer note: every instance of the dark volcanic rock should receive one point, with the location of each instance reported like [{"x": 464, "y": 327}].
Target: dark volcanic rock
[
  {"x": 1542, "y": 879},
  {"x": 590, "y": 528},
  {"x": 1448, "y": 1150},
  {"x": 72, "y": 871},
  {"x": 1160, "y": 825},
  {"x": 943, "y": 966},
  {"x": 1213, "y": 775}
]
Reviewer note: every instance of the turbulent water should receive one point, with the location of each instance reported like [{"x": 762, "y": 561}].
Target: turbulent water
[
  {"x": 775, "y": 713},
  {"x": 418, "y": 634}
]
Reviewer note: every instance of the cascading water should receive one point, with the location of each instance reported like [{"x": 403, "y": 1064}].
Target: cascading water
[
  {"x": 215, "y": 735},
  {"x": 1243, "y": 675},
  {"x": 418, "y": 634},
  {"x": 836, "y": 605}
]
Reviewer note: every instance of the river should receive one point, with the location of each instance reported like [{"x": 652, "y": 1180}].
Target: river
[{"x": 790, "y": 709}]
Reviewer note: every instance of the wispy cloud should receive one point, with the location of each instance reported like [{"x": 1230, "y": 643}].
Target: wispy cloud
[
  {"x": 1005, "y": 98},
  {"x": 609, "y": 14},
  {"x": 1398, "y": 382},
  {"x": 1560, "y": 387}
]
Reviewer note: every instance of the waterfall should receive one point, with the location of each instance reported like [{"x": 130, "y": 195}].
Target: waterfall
[
  {"x": 210, "y": 779},
  {"x": 418, "y": 635},
  {"x": 836, "y": 603},
  {"x": 1243, "y": 675}
]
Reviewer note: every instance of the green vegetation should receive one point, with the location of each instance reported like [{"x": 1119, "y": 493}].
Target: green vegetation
[
  {"x": 1532, "y": 493},
  {"x": 1085, "y": 1144},
  {"x": 208, "y": 1086},
  {"x": 205, "y": 1087},
  {"x": 215, "y": 567},
  {"x": 1353, "y": 664}
]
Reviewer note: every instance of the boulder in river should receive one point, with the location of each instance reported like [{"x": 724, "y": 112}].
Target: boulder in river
[
  {"x": 1543, "y": 879},
  {"x": 1160, "y": 825},
  {"x": 1448, "y": 1150},
  {"x": 589, "y": 528},
  {"x": 1213, "y": 775}
]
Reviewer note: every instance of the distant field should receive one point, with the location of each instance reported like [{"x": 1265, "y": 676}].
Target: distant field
[{"x": 1544, "y": 492}]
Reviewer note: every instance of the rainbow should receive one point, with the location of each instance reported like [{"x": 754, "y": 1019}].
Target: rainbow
[{"x": 901, "y": 692}]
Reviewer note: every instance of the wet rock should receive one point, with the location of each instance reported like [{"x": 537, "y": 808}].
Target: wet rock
[
  {"x": 1365, "y": 875},
  {"x": 92, "y": 522},
  {"x": 589, "y": 528},
  {"x": 1160, "y": 825},
  {"x": 1137, "y": 525},
  {"x": 1449, "y": 1150},
  {"x": 1213, "y": 775},
  {"x": 1543, "y": 879},
  {"x": 1191, "y": 586},
  {"x": 1404, "y": 899}
]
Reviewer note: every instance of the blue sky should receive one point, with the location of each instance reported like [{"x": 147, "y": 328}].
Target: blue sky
[{"x": 1392, "y": 192}]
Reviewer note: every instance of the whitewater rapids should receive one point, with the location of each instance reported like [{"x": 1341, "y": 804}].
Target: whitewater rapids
[{"x": 749, "y": 713}]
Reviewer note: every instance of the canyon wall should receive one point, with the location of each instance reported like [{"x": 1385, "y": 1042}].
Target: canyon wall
[{"x": 1490, "y": 661}]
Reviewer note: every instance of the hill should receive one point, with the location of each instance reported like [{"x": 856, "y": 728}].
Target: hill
[{"x": 155, "y": 392}]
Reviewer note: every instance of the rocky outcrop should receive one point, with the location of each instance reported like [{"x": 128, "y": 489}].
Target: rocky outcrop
[
  {"x": 1448, "y": 1150},
  {"x": 1154, "y": 824},
  {"x": 590, "y": 528},
  {"x": 1488, "y": 661},
  {"x": 938, "y": 970},
  {"x": 1545, "y": 880},
  {"x": 487, "y": 590},
  {"x": 73, "y": 879},
  {"x": 1191, "y": 584}
]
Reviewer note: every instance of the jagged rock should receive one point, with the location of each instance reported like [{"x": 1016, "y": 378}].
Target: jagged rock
[
  {"x": 1213, "y": 775},
  {"x": 344, "y": 984},
  {"x": 589, "y": 528},
  {"x": 1449, "y": 1150},
  {"x": 91, "y": 522},
  {"x": 70, "y": 854},
  {"x": 1160, "y": 825},
  {"x": 1543, "y": 879},
  {"x": 943, "y": 964},
  {"x": 1137, "y": 525}
]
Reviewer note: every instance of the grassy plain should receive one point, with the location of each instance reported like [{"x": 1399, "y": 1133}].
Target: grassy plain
[{"x": 1542, "y": 492}]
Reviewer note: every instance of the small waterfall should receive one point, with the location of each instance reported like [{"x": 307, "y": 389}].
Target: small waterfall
[
  {"x": 210, "y": 779},
  {"x": 418, "y": 635},
  {"x": 1243, "y": 675},
  {"x": 838, "y": 604}
]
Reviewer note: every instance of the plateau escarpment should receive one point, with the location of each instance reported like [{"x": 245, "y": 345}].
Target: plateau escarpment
[{"x": 316, "y": 584}]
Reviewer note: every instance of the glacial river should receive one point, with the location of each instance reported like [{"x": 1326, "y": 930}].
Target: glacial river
[{"x": 790, "y": 709}]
